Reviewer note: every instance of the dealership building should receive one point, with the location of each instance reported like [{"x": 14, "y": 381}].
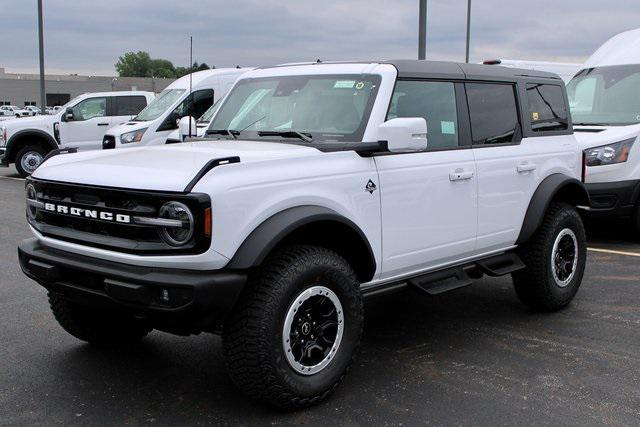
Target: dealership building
[{"x": 24, "y": 89}]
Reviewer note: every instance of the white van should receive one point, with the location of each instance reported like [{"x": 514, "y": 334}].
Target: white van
[
  {"x": 155, "y": 124},
  {"x": 604, "y": 98}
]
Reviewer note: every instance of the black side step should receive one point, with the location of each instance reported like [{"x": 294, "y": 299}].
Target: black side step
[
  {"x": 500, "y": 265},
  {"x": 441, "y": 281},
  {"x": 451, "y": 278}
]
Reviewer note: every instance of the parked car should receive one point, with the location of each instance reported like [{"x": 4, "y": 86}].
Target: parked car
[
  {"x": 80, "y": 124},
  {"x": 197, "y": 128},
  {"x": 605, "y": 104},
  {"x": 566, "y": 70},
  {"x": 53, "y": 110},
  {"x": 188, "y": 96},
  {"x": 34, "y": 110},
  {"x": 320, "y": 184},
  {"x": 12, "y": 110}
]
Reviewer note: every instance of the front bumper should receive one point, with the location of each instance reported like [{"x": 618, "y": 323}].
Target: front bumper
[
  {"x": 613, "y": 199},
  {"x": 180, "y": 301}
]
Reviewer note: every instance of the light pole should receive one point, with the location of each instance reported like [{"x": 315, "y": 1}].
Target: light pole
[
  {"x": 43, "y": 97},
  {"x": 468, "y": 30},
  {"x": 422, "y": 30}
]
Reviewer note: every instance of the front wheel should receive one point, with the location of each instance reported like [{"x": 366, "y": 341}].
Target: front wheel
[
  {"x": 296, "y": 328},
  {"x": 555, "y": 257},
  {"x": 28, "y": 159}
]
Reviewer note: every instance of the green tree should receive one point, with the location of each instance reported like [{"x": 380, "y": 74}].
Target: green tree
[
  {"x": 162, "y": 68},
  {"x": 140, "y": 64}
]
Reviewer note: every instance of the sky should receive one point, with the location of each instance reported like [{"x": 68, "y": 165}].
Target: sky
[{"x": 88, "y": 36}]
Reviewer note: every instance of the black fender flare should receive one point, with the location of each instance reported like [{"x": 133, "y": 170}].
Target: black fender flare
[
  {"x": 12, "y": 149},
  {"x": 572, "y": 190},
  {"x": 264, "y": 238}
]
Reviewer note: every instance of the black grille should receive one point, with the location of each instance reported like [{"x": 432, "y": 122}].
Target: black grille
[
  {"x": 125, "y": 237},
  {"x": 108, "y": 142}
]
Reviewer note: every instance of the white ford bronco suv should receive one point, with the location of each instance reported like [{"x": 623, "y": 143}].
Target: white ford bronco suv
[{"x": 316, "y": 185}]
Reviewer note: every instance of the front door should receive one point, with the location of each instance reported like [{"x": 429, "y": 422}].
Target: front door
[
  {"x": 88, "y": 126},
  {"x": 428, "y": 199}
]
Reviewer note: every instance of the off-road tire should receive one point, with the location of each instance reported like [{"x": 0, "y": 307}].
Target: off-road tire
[
  {"x": 536, "y": 286},
  {"x": 22, "y": 152},
  {"x": 253, "y": 334},
  {"x": 101, "y": 328}
]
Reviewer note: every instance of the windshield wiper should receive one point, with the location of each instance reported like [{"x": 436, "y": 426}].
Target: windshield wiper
[
  {"x": 590, "y": 124},
  {"x": 306, "y": 137},
  {"x": 232, "y": 133}
]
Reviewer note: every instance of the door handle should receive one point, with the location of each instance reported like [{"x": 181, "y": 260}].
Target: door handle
[
  {"x": 525, "y": 167},
  {"x": 103, "y": 124},
  {"x": 460, "y": 175}
]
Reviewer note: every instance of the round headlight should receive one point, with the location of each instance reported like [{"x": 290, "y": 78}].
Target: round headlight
[
  {"x": 177, "y": 236},
  {"x": 31, "y": 195}
]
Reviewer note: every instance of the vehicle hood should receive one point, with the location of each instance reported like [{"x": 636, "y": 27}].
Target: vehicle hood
[
  {"x": 28, "y": 122},
  {"x": 163, "y": 167},
  {"x": 127, "y": 127},
  {"x": 595, "y": 136}
]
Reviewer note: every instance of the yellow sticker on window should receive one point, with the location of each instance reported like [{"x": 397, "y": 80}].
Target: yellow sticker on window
[
  {"x": 359, "y": 85},
  {"x": 535, "y": 116}
]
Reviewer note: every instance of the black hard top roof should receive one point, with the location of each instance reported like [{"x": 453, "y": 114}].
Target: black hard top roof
[
  {"x": 414, "y": 68},
  {"x": 409, "y": 68}
]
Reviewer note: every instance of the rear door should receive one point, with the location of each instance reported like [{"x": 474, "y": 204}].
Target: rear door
[
  {"x": 429, "y": 199},
  {"x": 507, "y": 167}
]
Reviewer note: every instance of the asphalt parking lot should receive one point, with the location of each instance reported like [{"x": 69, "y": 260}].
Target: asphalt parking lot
[{"x": 474, "y": 356}]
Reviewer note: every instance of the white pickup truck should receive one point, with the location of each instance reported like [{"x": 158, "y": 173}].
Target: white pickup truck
[{"x": 80, "y": 124}]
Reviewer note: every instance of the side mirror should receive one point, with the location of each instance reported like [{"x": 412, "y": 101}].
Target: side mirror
[
  {"x": 68, "y": 115},
  {"x": 183, "y": 127},
  {"x": 404, "y": 135}
]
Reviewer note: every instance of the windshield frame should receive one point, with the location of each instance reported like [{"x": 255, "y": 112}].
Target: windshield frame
[
  {"x": 590, "y": 119},
  {"x": 180, "y": 94},
  {"x": 318, "y": 137}
]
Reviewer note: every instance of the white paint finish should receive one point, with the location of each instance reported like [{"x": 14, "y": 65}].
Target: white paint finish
[
  {"x": 244, "y": 195},
  {"x": 504, "y": 193},
  {"x": 166, "y": 168},
  {"x": 427, "y": 217}
]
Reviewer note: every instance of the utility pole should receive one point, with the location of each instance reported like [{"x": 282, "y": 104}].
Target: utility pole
[
  {"x": 468, "y": 29},
  {"x": 422, "y": 30},
  {"x": 43, "y": 96}
]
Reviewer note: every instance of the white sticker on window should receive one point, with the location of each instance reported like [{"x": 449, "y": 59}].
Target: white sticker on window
[
  {"x": 344, "y": 84},
  {"x": 447, "y": 128}
]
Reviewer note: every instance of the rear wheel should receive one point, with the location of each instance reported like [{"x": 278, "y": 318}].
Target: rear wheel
[
  {"x": 297, "y": 326},
  {"x": 28, "y": 159},
  {"x": 555, "y": 257},
  {"x": 99, "y": 327}
]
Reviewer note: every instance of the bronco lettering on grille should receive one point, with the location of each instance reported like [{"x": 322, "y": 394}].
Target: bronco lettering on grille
[{"x": 87, "y": 213}]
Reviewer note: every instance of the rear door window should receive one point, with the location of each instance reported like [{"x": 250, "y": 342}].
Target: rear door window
[
  {"x": 493, "y": 113},
  {"x": 129, "y": 105},
  {"x": 547, "y": 108}
]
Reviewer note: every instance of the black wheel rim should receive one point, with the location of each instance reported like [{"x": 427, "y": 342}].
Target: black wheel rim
[{"x": 564, "y": 257}]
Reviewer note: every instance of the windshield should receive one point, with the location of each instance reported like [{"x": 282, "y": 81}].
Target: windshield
[
  {"x": 606, "y": 95},
  {"x": 159, "y": 105},
  {"x": 322, "y": 107}
]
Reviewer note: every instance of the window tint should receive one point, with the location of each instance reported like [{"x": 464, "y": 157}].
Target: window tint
[
  {"x": 195, "y": 104},
  {"x": 493, "y": 113},
  {"x": 546, "y": 107},
  {"x": 435, "y": 102},
  {"x": 129, "y": 105},
  {"x": 90, "y": 108}
]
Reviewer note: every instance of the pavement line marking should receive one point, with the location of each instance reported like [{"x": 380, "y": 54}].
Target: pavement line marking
[
  {"x": 13, "y": 178},
  {"x": 611, "y": 251}
]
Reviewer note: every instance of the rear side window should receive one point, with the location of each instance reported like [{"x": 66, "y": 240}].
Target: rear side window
[
  {"x": 547, "y": 107},
  {"x": 129, "y": 105},
  {"x": 435, "y": 102},
  {"x": 493, "y": 113}
]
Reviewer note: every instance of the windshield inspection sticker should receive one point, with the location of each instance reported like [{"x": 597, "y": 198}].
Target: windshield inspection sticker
[
  {"x": 344, "y": 84},
  {"x": 447, "y": 128},
  {"x": 359, "y": 85},
  {"x": 535, "y": 116}
]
